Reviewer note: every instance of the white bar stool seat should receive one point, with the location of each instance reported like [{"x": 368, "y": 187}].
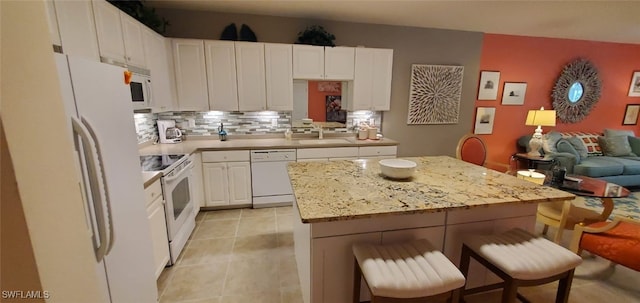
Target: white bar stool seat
[
  {"x": 410, "y": 270},
  {"x": 521, "y": 259}
]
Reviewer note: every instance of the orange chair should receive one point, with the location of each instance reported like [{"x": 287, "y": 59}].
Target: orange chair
[
  {"x": 472, "y": 149},
  {"x": 617, "y": 241}
]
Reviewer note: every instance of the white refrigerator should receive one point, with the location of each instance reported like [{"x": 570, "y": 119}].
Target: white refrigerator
[{"x": 99, "y": 102}]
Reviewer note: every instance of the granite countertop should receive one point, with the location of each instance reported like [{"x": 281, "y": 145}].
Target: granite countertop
[
  {"x": 345, "y": 190},
  {"x": 190, "y": 146}
]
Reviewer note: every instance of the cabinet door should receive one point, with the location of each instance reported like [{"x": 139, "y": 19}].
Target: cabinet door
[
  {"x": 158, "y": 59},
  {"x": 381, "y": 82},
  {"x": 239, "y": 174},
  {"x": 109, "y": 30},
  {"x": 279, "y": 76},
  {"x": 190, "y": 74},
  {"x": 308, "y": 62},
  {"x": 363, "y": 80},
  {"x": 221, "y": 75},
  {"x": 197, "y": 186},
  {"x": 332, "y": 267},
  {"x": 133, "y": 43},
  {"x": 215, "y": 184},
  {"x": 251, "y": 76},
  {"x": 339, "y": 63},
  {"x": 159, "y": 238},
  {"x": 77, "y": 29}
]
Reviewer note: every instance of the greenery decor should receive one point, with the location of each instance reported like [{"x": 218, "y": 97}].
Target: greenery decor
[
  {"x": 146, "y": 15},
  {"x": 316, "y": 35}
]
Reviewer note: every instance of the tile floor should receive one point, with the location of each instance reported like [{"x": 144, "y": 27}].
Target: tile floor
[{"x": 247, "y": 256}]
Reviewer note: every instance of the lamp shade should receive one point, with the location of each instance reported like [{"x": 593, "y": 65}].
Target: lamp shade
[{"x": 541, "y": 117}]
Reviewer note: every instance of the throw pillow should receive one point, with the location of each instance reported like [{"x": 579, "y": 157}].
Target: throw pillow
[
  {"x": 618, "y": 132},
  {"x": 580, "y": 148},
  {"x": 634, "y": 142},
  {"x": 616, "y": 146},
  {"x": 564, "y": 146},
  {"x": 549, "y": 142},
  {"x": 590, "y": 142}
]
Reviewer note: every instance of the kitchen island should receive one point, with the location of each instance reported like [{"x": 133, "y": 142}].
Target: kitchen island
[{"x": 340, "y": 203}]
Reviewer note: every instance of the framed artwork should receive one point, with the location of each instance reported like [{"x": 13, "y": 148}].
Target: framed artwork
[
  {"x": 631, "y": 114},
  {"x": 488, "y": 88},
  {"x": 434, "y": 95},
  {"x": 484, "y": 120},
  {"x": 634, "y": 88},
  {"x": 335, "y": 113},
  {"x": 513, "y": 93}
]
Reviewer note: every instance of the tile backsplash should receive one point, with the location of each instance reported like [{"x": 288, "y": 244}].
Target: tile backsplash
[{"x": 238, "y": 123}]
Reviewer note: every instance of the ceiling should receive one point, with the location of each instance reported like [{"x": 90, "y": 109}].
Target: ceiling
[{"x": 611, "y": 21}]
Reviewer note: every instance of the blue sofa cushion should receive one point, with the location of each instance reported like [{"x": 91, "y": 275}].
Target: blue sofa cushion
[
  {"x": 598, "y": 167},
  {"x": 564, "y": 146},
  {"x": 631, "y": 165},
  {"x": 580, "y": 148},
  {"x": 616, "y": 146},
  {"x": 634, "y": 142},
  {"x": 608, "y": 132}
]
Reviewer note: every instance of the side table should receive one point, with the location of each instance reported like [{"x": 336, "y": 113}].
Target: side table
[{"x": 532, "y": 162}]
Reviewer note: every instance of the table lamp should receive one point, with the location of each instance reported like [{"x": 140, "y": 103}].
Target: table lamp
[{"x": 539, "y": 118}]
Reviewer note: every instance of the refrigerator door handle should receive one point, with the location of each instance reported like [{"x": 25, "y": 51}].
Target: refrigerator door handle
[
  {"x": 103, "y": 178},
  {"x": 149, "y": 92},
  {"x": 97, "y": 194}
]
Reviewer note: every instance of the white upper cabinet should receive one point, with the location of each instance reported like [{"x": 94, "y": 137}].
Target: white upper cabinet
[
  {"x": 133, "y": 46},
  {"x": 320, "y": 63},
  {"x": 77, "y": 30},
  {"x": 308, "y": 62},
  {"x": 221, "y": 75},
  {"x": 279, "y": 76},
  {"x": 119, "y": 35},
  {"x": 372, "y": 79},
  {"x": 339, "y": 63},
  {"x": 250, "y": 76},
  {"x": 52, "y": 20},
  {"x": 190, "y": 74},
  {"x": 159, "y": 60}
]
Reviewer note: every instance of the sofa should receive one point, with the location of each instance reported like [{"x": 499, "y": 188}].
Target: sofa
[{"x": 613, "y": 156}]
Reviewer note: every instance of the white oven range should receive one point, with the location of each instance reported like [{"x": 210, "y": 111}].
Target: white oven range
[{"x": 176, "y": 188}]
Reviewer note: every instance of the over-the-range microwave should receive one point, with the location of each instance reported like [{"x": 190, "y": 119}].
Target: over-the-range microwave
[{"x": 140, "y": 90}]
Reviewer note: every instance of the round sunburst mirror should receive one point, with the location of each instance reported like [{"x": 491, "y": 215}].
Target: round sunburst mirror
[{"x": 576, "y": 91}]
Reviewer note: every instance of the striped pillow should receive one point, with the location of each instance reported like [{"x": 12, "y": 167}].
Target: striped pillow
[{"x": 589, "y": 140}]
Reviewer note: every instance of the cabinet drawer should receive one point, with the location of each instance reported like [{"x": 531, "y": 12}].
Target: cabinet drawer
[
  {"x": 152, "y": 192},
  {"x": 331, "y": 152},
  {"x": 372, "y": 151},
  {"x": 225, "y": 156}
]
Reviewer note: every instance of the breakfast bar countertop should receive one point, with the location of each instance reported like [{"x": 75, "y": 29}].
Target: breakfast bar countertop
[{"x": 345, "y": 190}]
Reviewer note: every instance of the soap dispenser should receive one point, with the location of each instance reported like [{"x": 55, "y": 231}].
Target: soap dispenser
[{"x": 222, "y": 134}]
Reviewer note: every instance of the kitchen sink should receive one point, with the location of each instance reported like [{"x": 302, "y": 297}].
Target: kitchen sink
[{"x": 324, "y": 141}]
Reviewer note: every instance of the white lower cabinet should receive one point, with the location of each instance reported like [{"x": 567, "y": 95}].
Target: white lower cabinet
[
  {"x": 226, "y": 183},
  {"x": 197, "y": 187},
  {"x": 157, "y": 222},
  {"x": 379, "y": 152},
  {"x": 326, "y": 154}
]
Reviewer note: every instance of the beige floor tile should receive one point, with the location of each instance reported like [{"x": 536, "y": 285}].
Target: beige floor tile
[
  {"x": 196, "y": 282},
  {"x": 285, "y": 239},
  {"x": 208, "y": 300},
  {"x": 251, "y": 276},
  {"x": 255, "y": 247},
  {"x": 258, "y": 212},
  {"x": 252, "y": 226},
  {"x": 202, "y": 251},
  {"x": 288, "y": 272},
  {"x": 216, "y": 229},
  {"x": 200, "y": 216},
  {"x": 165, "y": 278},
  {"x": 292, "y": 295},
  {"x": 222, "y": 214},
  {"x": 267, "y": 297},
  {"x": 285, "y": 224},
  {"x": 284, "y": 210}
]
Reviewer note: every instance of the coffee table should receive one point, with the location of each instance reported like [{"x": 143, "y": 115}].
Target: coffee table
[{"x": 565, "y": 215}]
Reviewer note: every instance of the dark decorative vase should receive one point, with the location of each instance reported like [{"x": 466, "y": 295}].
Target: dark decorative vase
[
  {"x": 246, "y": 34},
  {"x": 230, "y": 33}
]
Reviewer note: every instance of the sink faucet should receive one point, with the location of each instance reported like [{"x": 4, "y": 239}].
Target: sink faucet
[{"x": 319, "y": 128}]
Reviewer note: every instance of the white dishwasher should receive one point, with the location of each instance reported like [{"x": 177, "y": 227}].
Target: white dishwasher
[{"x": 269, "y": 178}]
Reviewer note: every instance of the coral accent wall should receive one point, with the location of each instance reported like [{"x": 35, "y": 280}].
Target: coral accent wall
[
  {"x": 539, "y": 62},
  {"x": 318, "y": 92}
]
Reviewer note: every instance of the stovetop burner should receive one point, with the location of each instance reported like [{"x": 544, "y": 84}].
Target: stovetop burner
[{"x": 158, "y": 162}]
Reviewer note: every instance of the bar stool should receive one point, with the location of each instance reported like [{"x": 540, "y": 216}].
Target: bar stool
[
  {"x": 405, "y": 272},
  {"x": 520, "y": 259}
]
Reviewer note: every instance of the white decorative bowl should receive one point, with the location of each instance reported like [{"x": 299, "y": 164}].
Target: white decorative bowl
[
  {"x": 307, "y": 120},
  {"x": 397, "y": 168}
]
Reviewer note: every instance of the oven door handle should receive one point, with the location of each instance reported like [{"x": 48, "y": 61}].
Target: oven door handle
[{"x": 178, "y": 175}]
